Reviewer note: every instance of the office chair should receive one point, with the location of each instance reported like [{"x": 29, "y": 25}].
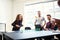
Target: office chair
[{"x": 27, "y": 28}]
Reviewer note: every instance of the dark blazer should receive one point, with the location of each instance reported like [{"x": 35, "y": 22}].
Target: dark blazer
[
  {"x": 16, "y": 23},
  {"x": 50, "y": 26}
]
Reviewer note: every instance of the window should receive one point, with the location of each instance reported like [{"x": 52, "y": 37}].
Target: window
[{"x": 30, "y": 11}]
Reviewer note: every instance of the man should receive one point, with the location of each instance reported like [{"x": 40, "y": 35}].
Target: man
[
  {"x": 51, "y": 24},
  {"x": 39, "y": 22}
]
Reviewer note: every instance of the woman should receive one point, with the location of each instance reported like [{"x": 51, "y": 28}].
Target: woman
[{"x": 17, "y": 23}]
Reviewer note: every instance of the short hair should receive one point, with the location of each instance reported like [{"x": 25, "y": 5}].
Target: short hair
[{"x": 48, "y": 15}]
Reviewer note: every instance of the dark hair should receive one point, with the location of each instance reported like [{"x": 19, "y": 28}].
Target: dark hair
[
  {"x": 49, "y": 15},
  {"x": 59, "y": 3},
  {"x": 17, "y": 18}
]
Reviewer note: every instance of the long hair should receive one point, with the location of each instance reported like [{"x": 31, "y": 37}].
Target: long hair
[{"x": 18, "y": 17}]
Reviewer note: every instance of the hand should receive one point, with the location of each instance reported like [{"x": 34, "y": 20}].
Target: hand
[
  {"x": 17, "y": 26},
  {"x": 46, "y": 29},
  {"x": 55, "y": 23}
]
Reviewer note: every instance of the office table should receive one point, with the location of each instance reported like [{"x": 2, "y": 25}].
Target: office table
[{"x": 19, "y": 35}]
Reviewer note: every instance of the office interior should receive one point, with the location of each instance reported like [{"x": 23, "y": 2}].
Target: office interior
[{"x": 28, "y": 8}]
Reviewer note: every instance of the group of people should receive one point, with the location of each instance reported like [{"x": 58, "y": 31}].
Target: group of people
[
  {"x": 50, "y": 25},
  {"x": 39, "y": 25}
]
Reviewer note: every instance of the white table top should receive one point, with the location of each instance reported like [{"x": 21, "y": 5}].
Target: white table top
[{"x": 29, "y": 34}]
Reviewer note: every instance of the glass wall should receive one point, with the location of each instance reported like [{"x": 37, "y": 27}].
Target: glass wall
[{"x": 30, "y": 12}]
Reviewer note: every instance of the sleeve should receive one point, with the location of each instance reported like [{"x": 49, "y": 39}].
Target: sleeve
[
  {"x": 43, "y": 19},
  {"x": 53, "y": 21},
  {"x": 35, "y": 19},
  {"x": 14, "y": 23}
]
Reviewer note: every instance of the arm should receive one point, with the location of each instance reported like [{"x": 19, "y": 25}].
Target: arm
[
  {"x": 44, "y": 22},
  {"x": 35, "y": 22},
  {"x": 14, "y": 24}
]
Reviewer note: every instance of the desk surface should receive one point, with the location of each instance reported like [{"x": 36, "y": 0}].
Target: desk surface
[{"x": 29, "y": 34}]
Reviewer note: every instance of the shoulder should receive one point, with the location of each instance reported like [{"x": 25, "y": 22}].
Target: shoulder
[
  {"x": 53, "y": 19},
  {"x": 42, "y": 18},
  {"x": 15, "y": 21}
]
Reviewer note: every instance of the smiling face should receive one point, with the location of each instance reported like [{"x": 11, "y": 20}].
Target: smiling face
[{"x": 49, "y": 17}]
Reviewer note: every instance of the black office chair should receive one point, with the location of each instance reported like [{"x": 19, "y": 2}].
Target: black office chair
[{"x": 27, "y": 28}]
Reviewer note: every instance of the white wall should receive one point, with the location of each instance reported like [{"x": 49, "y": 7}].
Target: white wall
[
  {"x": 18, "y": 7},
  {"x": 6, "y": 13}
]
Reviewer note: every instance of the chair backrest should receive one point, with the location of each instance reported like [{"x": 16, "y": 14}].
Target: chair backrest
[
  {"x": 27, "y": 28},
  {"x": 2, "y": 27}
]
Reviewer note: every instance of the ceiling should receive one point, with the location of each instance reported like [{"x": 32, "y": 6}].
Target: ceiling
[{"x": 37, "y": 1}]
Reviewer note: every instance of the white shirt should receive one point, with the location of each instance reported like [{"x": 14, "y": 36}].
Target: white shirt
[{"x": 39, "y": 20}]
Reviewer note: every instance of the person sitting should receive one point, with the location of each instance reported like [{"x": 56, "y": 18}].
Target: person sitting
[{"x": 51, "y": 24}]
